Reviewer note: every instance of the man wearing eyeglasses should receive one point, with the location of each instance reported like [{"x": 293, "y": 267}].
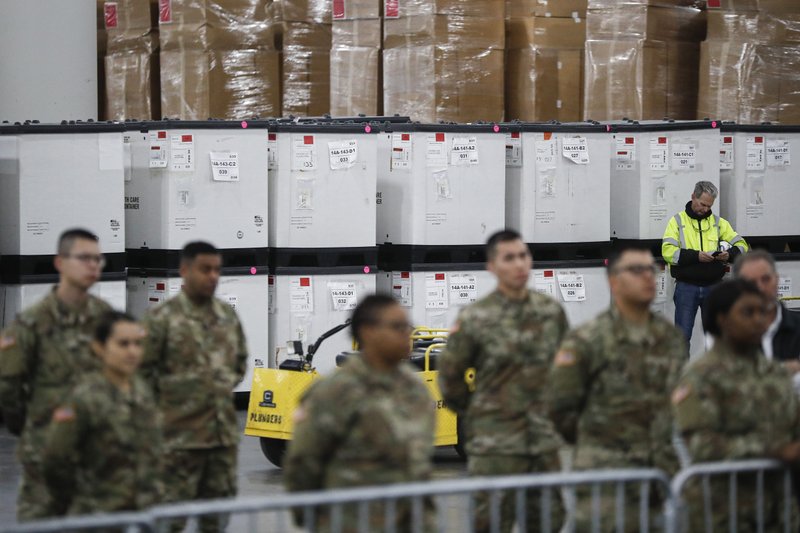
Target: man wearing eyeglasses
[
  {"x": 610, "y": 384},
  {"x": 42, "y": 355}
]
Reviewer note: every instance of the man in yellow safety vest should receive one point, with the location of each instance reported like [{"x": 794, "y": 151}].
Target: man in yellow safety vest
[{"x": 697, "y": 245}]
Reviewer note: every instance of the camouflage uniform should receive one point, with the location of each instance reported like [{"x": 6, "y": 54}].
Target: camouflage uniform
[
  {"x": 609, "y": 392},
  {"x": 103, "y": 451},
  {"x": 194, "y": 356},
  {"x": 732, "y": 407},
  {"x": 42, "y": 356},
  {"x": 362, "y": 427},
  {"x": 511, "y": 345}
]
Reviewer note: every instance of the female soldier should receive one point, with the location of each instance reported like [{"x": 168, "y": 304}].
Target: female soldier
[
  {"x": 734, "y": 404},
  {"x": 104, "y": 448}
]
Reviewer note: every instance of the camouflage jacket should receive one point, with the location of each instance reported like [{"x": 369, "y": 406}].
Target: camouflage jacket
[
  {"x": 511, "y": 345},
  {"x": 103, "y": 449},
  {"x": 43, "y": 354},
  {"x": 609, "y": 391},
  {"x": 361, "y": 427},
  {"x": 729, "y": 406},
  {"x": 194, "y": 357}
]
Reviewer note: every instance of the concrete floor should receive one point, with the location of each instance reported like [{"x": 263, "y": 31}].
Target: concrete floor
[{"x": 257, "y": 477}]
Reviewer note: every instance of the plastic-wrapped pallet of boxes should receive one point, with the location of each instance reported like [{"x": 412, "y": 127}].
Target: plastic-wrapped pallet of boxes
[
  {"x": 641, "y": 59},
  {"x": 444, "y": 59},
  {"x": 218, "y": 59},
  {"x": 544, "y": 59},
  {"x": 750, "y": 62},
  {"x": 130, "y": 60},
  {"x": 356, "y": 58},
  {"x": 306, "y": 57}
]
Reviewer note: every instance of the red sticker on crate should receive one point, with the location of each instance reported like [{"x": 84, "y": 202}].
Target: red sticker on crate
[
  {"x": 548, "y": 273},
  {"x": 161, "y": 286},
  {"x": 164, "y": 11},
  {"x": 728, "y": 140},
  {"x": 271, "y": 280},
  {"x": 338, "y": 9},
  {"x": 272, "y": 136},
  {"x": 548, "y": 135},
  {"x": 440, "y": 137},
  {"x": 305, "y": 282},
  {"x": 662, "y": 140},
  {"x": 405, "y": 275},
  {"x": 714, "y": 3},
  {"x": 110, "y": 14},
  {"x": 406, "y": 136},
  {"x": 759, "y": 140},
  {"x": 629, "y": 140},
  {"x": 439, "y": 277},
  {"x": 391, "y": 9},
  {"x": 308, "y": 139},
  {"x": 186, "y": 138},
  {"x": 515, "y": 135},
  {"x": 162, "y": 134}
]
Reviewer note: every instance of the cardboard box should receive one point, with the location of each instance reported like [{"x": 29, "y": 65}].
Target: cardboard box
[
  {"x": 306, "y": 81},
  {"x": 443, "y": 30},
  {"x": 306, "y": 35},
  {"x": 355, "y": 81},
  {"x": 219, "y": 13},
  {"x": 544, "y": 84},
  {"x": 768, "y": 6},
  {"x": 640, "y": 80},
  {"x": 545, "y": 31},
  {"x": 132, "y": 84},
  {"x": 561, "y": 8},
  {"x": 466, "y": 8},
  {"x": 359, "y": 33},
  {"x": 355, "y": 9},
  {"x": 624, "y": 4},
  {"x": 318, "y": 11},
  {"x": 432, "y": 83},
  {"x": 521, "y": 8},
  {"x": 634, "y": 22},
  {"x": 754, "y": 26},
  {"x": 233, "y": 84}
]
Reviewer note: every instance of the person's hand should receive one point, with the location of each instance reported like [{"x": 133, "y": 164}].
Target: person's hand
[
  {"x": 792, "y": 366},
  {"x": 724, "y": 256},
  {"x": 705, "y": 257}
]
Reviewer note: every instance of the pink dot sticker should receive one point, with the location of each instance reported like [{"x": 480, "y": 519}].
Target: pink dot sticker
[
  {"x": 496, "y": 128},
  {"x": 366, "y": 270},
  {"x": 608, "y": 127},
  {"x": 714, "y": 124},
  {"x": 244, "y": 124},
  {"x": 368, "y": 128},
  {"x": 253, "y": 270}
]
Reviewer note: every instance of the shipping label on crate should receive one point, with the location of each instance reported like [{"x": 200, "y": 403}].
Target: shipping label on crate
[
  {"x": 463, "y": 289},
  {"x": 338, "y": 11},
  {"x": 271, "y": 294},
  {"x": 572, "y": 286},
  {"x": 464, "y": 151},
  {"x": 546, "y": 153},
  {"x": 158, "y": 149},
  {"x": 513, "y": 149},
  {"x": 343, "y": 154},
  {"x": 726, "y": 152},
  {"x": 402, "y": 288},
  {"x": 401, "y": 151},
  {"x": 684, "y": 156},
  {"x": 343, "y": 294},
  {"x": 272, "y": 151},
  {"x": 784, "y": 287},
  {"x": 304, "y": 153},
  {"x": 391, "y": 9},
  {"x": 110, "y": 15},
  {"x": 756, "y": 157},
  {"x": 224, "y": 166},
  {"x": 181, "y": 153},
  {"x": 164, "y": 11},
  {"x": 436, "y": 290},
  {"x": 625, "y": 153},
  {"x": 230, "y": 299},
  {"x": 436, "y": 155},
  {"x": 545, "y": 282},
  {"x": 576, "y": 149},
  {"x": 659, "y": 148},
  {"x": 301, "y": 295},
  {"x": 778, "y": 153},
  {"x": 127, "y": 156},
  {"x": 661, "y": 287}
]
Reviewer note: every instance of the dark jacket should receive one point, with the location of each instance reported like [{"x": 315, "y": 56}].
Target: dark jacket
[{"x": 786, "y": 343}]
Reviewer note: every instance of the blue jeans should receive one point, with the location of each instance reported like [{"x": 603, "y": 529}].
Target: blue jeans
[{"x": 688, "y": 298}]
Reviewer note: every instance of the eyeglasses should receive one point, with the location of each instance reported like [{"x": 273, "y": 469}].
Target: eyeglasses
[
  {"x": 88, "y": 259},
  {"x": 639, "y": 270}
]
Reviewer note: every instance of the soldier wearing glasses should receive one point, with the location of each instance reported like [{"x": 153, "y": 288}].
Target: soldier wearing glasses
[
  {"x": 42, "y": 355},
  {"x": 611, "y": 381}
]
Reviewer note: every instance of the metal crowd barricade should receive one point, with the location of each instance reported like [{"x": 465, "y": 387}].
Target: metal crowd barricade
[
  {"x": 733, "y": 471},
  {"x": 127, "y": 522}
]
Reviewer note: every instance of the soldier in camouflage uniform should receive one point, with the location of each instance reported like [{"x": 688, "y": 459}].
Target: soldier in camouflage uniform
[
  {"x": 195, "y": 353},
  {"x": 103, "y": 449},
  {"x": 734, "y": 404},
  {"x": 42, "y": 355},
  {"x": 610, "y": 384},
  {"x": 510, "y": 338},
  {"x": 370, "y": 423}
]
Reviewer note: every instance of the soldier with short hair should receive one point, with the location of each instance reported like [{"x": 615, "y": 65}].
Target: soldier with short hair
[
  {"x": 195, "y": 354},
  {"x": 369, "y": 423},
  {"x": 610, "y": 385},
  {"x": 510, "y": 338},
  {"x": 42, "y": 356},
  {"x": 103, "y": 449}
]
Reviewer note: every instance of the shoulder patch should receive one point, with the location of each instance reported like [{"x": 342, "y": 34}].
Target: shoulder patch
[
  {"x": 565, "y": 358},
  {"x": 64, "y": 414},
  {"x": 681, "y": 393},
  {"x": 7, "y": 341}
]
